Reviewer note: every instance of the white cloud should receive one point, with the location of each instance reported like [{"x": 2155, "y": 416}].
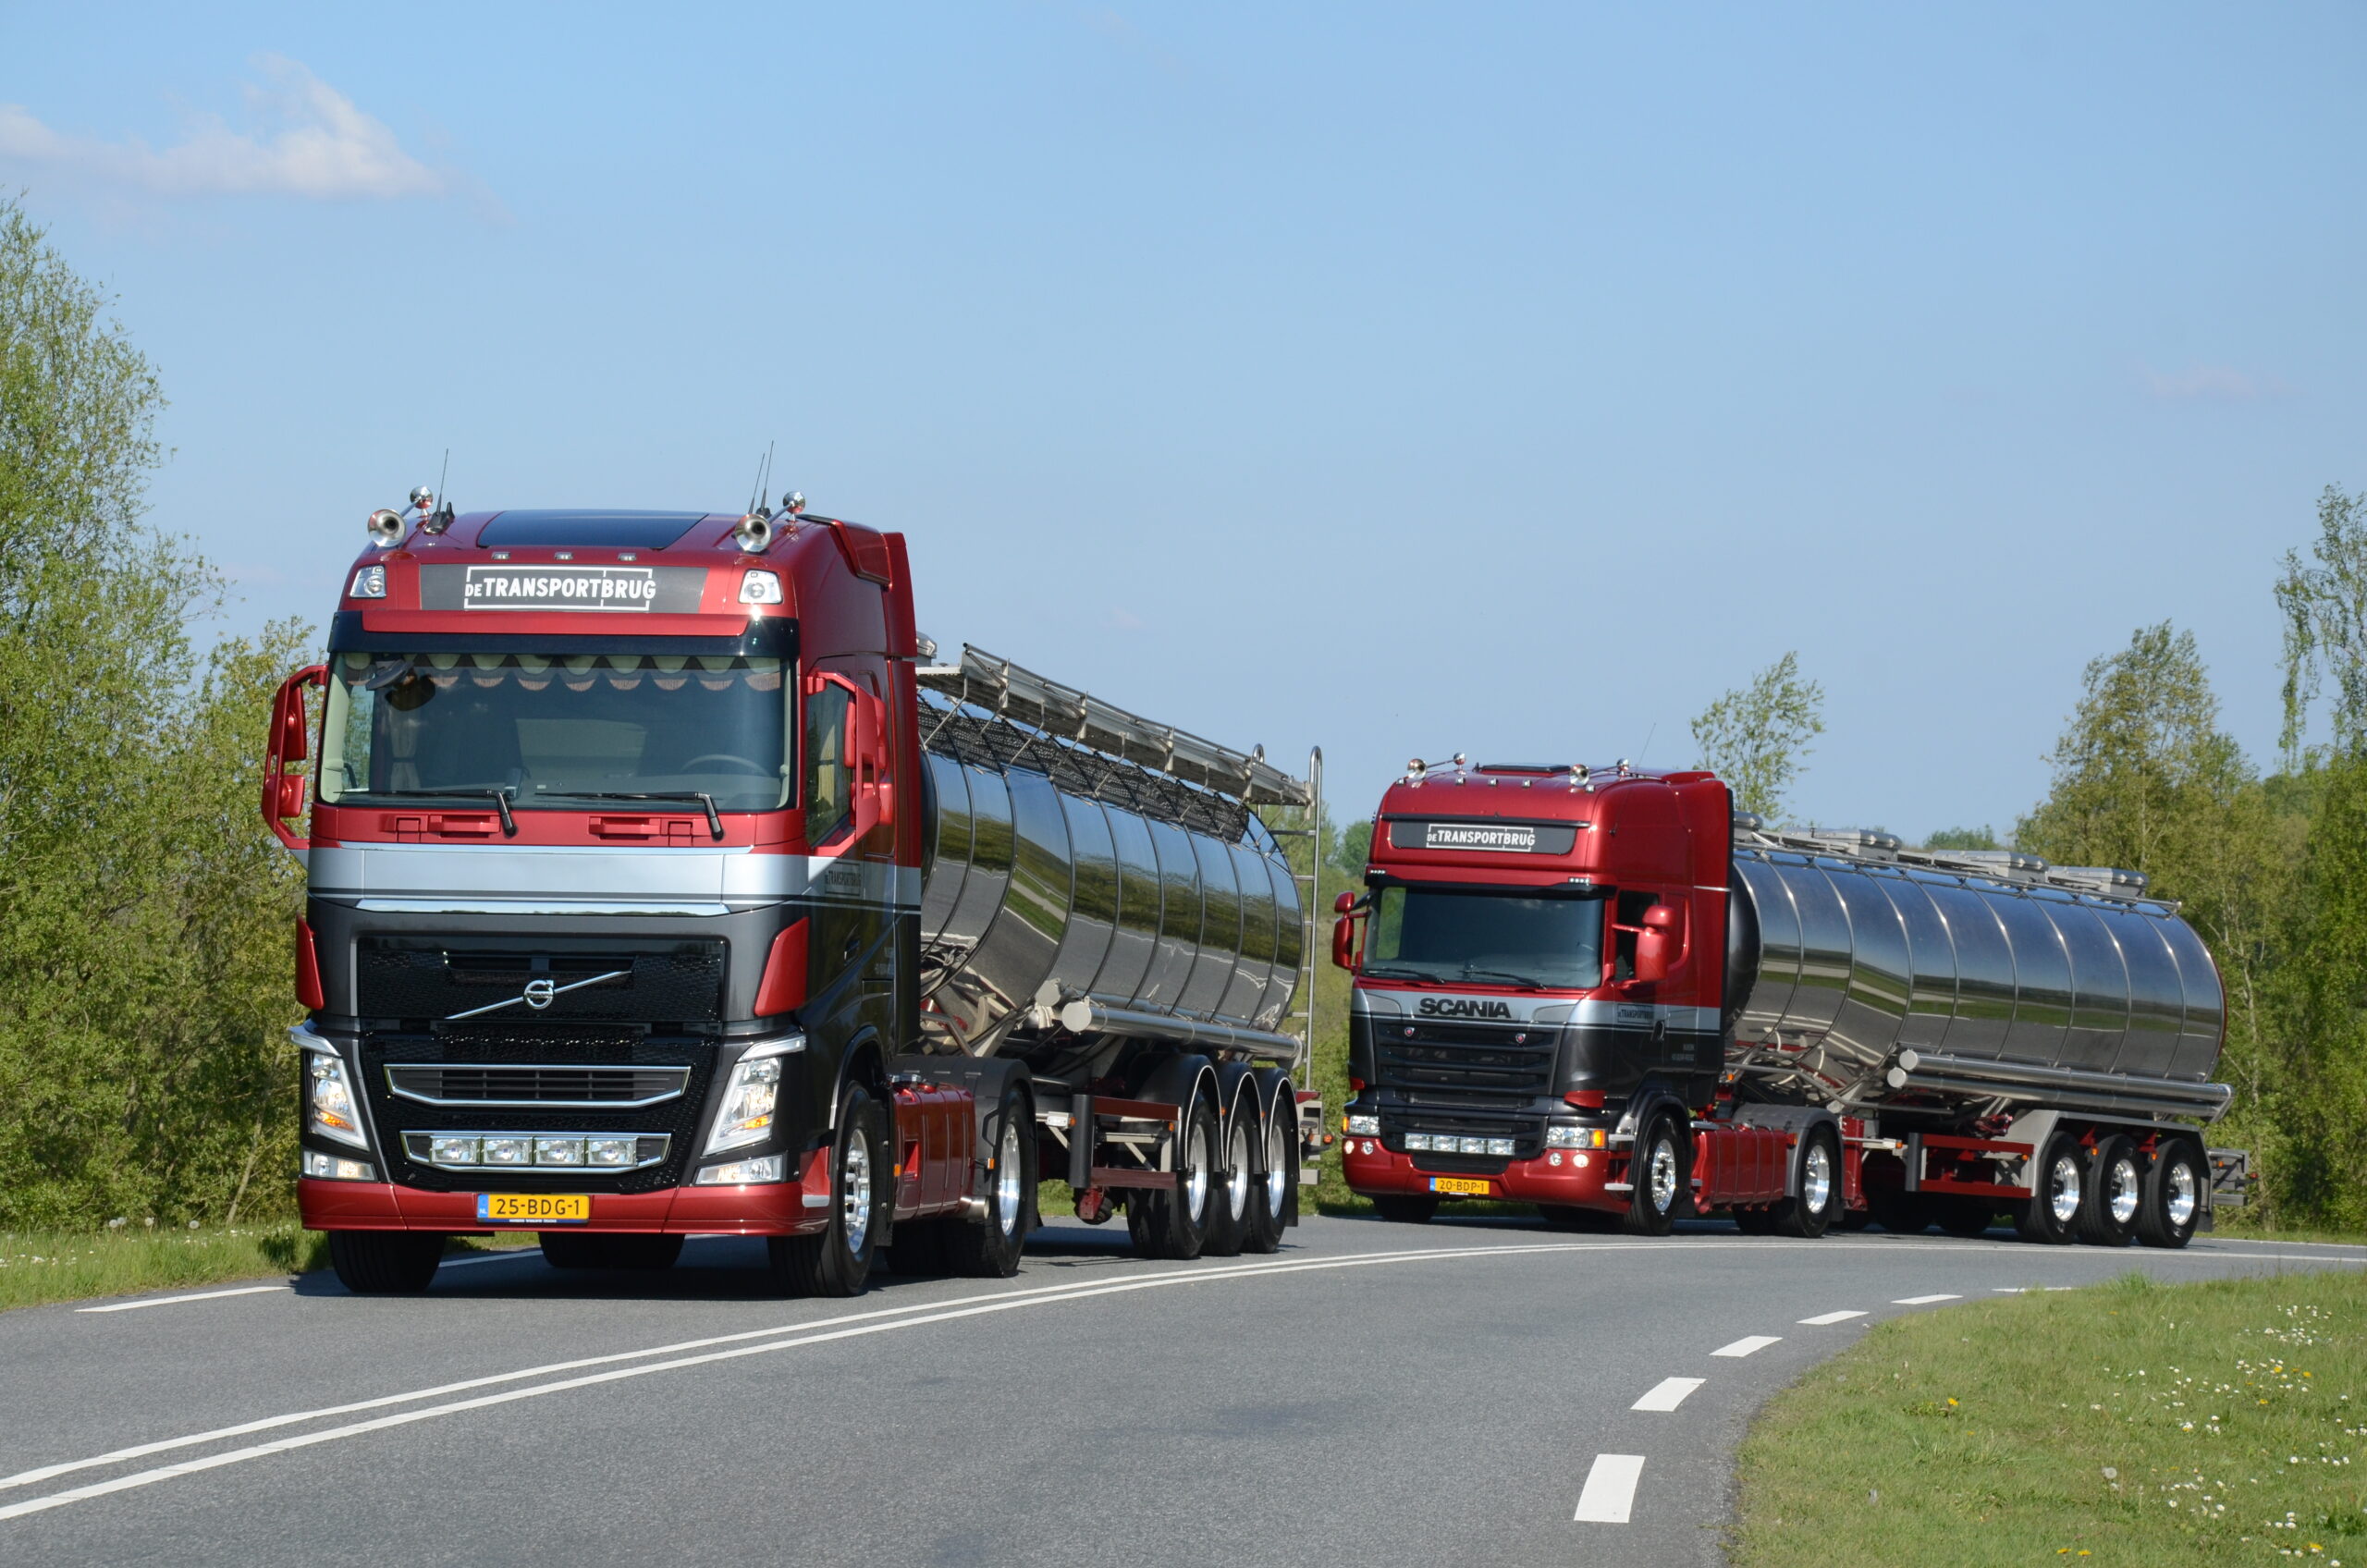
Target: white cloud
[
  {"x": 2219, "y": 382},
  {"x": 308, "y": 140}
]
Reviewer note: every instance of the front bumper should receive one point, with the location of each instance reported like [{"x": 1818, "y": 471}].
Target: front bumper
[
  {"x": 780, "y": 1209},
  {"x": 1576, "y": 1181}
]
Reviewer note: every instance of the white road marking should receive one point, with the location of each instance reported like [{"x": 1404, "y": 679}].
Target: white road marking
[
  {"x": 171, "y": 1301},
  {"x": 866, "y": 1323},
  {"x": 2029, "y": 1289},
  {"x": 1922, "y": 1300},
  {"x": 1822, "y": 1318},
  {"x": 1747, "y": 1344},
  {"x": 1609, "y": 1492},
  {"x": 1668, "y": 1394},
  {"x": 511, "y": 1256}
]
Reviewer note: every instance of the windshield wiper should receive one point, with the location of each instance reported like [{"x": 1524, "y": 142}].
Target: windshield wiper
[
  {"x": 1398, "y": 971},
  {"x": 714, "y": 817},
  {"x": 500, "y": 797},
  {"x": 1473, "y": 972}
]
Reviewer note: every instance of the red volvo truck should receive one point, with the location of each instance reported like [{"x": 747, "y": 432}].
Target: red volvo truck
[
  {"x": 662, "y": 881},
  {"x": 1606, "y": 993}
]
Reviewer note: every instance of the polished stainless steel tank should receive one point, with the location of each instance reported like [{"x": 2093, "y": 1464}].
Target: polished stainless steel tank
[
  {"x": 1873, "y": 984},
  {"x": 1061, "y": 888}
]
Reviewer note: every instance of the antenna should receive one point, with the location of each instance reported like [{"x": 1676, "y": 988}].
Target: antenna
[
  {"x": 764, "y": 477},
  {"x": 1647, "y": 750},
  {"x": 445, "y": 472}
]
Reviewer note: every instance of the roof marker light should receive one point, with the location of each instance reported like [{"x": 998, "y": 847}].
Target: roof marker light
[
  {"x": 370, "y": 582},
  {"x": 760, "y": 588}
]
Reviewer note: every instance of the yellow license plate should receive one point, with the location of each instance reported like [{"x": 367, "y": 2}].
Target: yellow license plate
[
  {"x": 534, "y": 1208},
  {"x": 1470, "y": 1186}
]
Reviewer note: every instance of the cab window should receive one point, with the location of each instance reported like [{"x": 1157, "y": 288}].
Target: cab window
[{"x": 828, "y": 780}]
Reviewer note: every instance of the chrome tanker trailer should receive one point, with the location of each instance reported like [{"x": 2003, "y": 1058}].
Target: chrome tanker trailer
[{"x": 1603, "y": 991}]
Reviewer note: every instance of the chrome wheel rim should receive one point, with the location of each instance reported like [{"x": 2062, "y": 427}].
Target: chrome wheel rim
[
  {"x": 1816, "y": 1177},
  {"x": 2121, "y": 1191},
  {"x": 1196, "y": 1176},
  {"x": 1663, "y": 1176},
  {"x": 1236, "y": 1186},
  {"x": 854, "y": 1193},
  {"x": 2063, "y": 1190},
  {"x": 1007, "y": 1180},
  {"x": 1277, "y": 1163},
  {"x": 2182, "y": 1194}
]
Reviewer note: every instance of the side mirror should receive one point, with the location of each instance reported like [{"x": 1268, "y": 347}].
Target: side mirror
[
  {"x": 284, "y": 746},
  {"x": 1343, "y": 943},
  {"x": 1345, "y": 904},
  {"x": 1660, "y": 941}
]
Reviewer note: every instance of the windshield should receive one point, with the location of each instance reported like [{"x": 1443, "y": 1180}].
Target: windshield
[
  {"x": 556, "y": 732},
  {"x": 1485, "y": 938}
]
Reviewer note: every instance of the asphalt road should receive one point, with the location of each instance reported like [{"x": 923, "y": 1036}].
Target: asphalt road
[{"x": 1462, "y": 1391}]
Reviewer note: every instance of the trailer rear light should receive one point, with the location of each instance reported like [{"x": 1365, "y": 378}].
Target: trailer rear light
[
  {"x": 1573, "y": 1137},
  {"x": 1362, "y": 1126},
  {"x": 370, "y": 582},
  {"x": 742, "y": 1173},
  {"x": 329, "y": 1167},
  {"x": 760, "y": 588}
]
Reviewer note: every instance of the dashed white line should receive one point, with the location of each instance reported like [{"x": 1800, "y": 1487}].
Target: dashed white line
[
  {"x": 1747, "y": 1344},
  {"x": 1823, "y": 1318},
  {"x": 1668, "y": 1394},
  {"x": 174, "y": 1301},
  {"x": 1923, "y": 1301},
  {"x": 1609, "y": 1493}
]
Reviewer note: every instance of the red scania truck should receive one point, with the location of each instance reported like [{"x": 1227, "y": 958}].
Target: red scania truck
[
  {"x": 1607, "y": 993},
  {"x": 662, "y": 881}
]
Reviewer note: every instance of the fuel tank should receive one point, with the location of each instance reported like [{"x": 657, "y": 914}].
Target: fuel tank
[
  {"x": 1903, "y": 984},
  {"x": 1052, "y": 874}
]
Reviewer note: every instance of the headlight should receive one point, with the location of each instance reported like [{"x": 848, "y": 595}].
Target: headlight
[
  {"x": 329, "y": 1167},
  {"x": 370, "y": 582},
  {"x": 1573, "y": 1137},
  {"x": 1364, "y": 1126},
  {"x": 742, "y": 1173},
  {"x": 749, "y": 1097},
  {"x": 331, "y": 1111}
]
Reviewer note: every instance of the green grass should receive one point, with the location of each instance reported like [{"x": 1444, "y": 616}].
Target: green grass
[
  {"x": 2223, "y": 1422},
  {"x": 41, "y": 1266}
]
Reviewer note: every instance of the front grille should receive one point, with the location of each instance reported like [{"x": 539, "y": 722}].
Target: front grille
[
  {"x": 417, "y": 980},
  {"x": 518, "y": 1083},
  {"x": 1451, "y": 1067},
  {"x": 462, "y": 1055}
]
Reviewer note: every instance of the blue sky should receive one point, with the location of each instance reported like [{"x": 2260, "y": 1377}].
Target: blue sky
[{"x": 1507, "y": 379}]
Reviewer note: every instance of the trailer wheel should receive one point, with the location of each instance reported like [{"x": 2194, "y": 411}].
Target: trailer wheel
[
  {"x": 1230, "y": 1184},
  {"x": 838, "y": 1262},
  {"x": 2057, "y": 1194},
  {"x": 573, "y": 1249},
  {"x": 1807, "y": 1213},
  {"x": 1660, "y": 1172},
  {"x": 384, "y": 1263},
  {"x": 1406, "y": 1209},
  {"x": 990, "y": 1249},
  {"x": 1175, "y": 1224},
  {"x": 2173, "y": 1195},
  {"x": 2115, "y": 1196},
  {"x": 1269, "y": 1195}
]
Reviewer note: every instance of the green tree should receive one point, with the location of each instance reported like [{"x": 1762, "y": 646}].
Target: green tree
[
  {"x": 144, "y": 915},
  {"x": 1756, "y": 737},
  {"x": 1351, "y": 851},
  {"x": 1981, "y": 837}
]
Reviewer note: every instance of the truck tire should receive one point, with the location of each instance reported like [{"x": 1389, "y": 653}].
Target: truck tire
[
  {"x": 838, "y": 1262},
  {"x": 1660, "y": 1174},
  {"x": 990, "y": 1249},
  {"x": 1230, "y": 1182},
  {"x": 384, "y": 1263},
  {"x": 1406, "y": 1209},
  {"x": 2115, "y": 1194},
  {"x": 1174, "y": 1224},
  {"x": 2172, "y": 1204},
  {"x": 573, "y": 1249},
  {"x": 1807, "y": 1213},
  {"x": 2059, "y": 1187},
  {"x": 1270, "y": 1194}
]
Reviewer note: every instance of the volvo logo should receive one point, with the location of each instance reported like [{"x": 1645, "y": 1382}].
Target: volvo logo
[
  {"x": 539, "y": 993},
  {"x": 1462, "y": 1007}
]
